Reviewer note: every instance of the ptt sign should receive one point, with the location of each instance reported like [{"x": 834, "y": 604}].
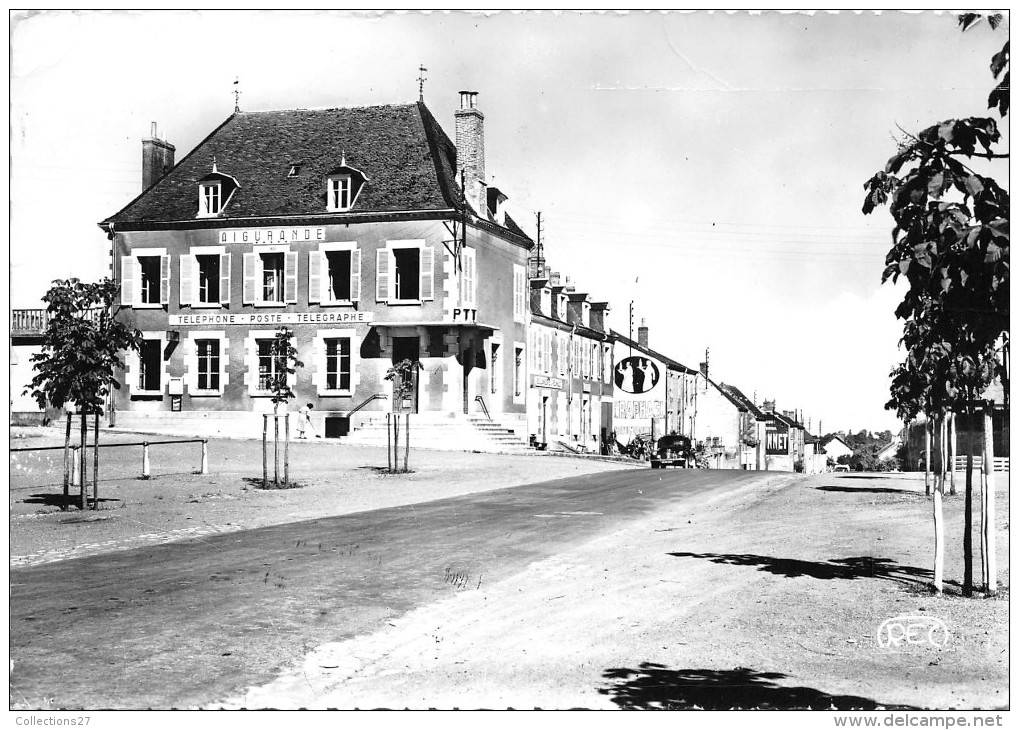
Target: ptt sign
[{"x": 465, "y": 315}]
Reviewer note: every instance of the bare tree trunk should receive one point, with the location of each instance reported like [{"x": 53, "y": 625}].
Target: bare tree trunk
[
  {"x": 939, "y": 521},
  {"x": 988, "y": 485},
  {"x": 389, "y": 442},
  {"x": 967, "y": 534},
  {"x": 95, "y": 465},
  {"x": 952, "y": 444},
  {"x": 265, "y": 450},
  {"x": 68, "y": 464},
  {"x": 276, "y": 449},
  {"x": 406, "y": 444},
  {"x": 286, "y": 449},
  {"x": 84, "y": 462},
  {"x": 927, "y": 430},
  {"x": 396, "y": 442}
]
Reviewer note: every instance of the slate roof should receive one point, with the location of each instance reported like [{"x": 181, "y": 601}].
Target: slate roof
[
  {"x": 408, "y": 159},
  {"x": 538, "y": 318},
  {"x": 737, "y": 395},
  {"x": 675, "y": 365}
]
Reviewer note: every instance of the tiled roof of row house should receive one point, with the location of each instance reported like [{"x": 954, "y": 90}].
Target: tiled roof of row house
[
  {"x": 792, "y": 422},
  {"x": 537, "y": 316},
  {"x": 737, "y": 396},
  {"x": 648, "y": 351},
  {"x": 407, "y": 158}
]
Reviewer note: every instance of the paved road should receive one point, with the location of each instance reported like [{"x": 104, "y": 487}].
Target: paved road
[{"x": 185, "y": 624}]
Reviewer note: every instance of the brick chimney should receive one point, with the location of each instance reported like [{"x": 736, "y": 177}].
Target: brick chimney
[
  {"x": 470, "y": 150},
  {"x": 642, "y": 334},
  {"x": 768, "y": 406},
  {"x": 704, "y": 369},
  {"x": 157, "y": 158}
]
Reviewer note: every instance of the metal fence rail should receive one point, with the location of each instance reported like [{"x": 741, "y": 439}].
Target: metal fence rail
[{"x": 146, "y": 471}]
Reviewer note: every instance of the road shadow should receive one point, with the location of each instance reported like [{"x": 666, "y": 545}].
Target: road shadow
[
  {"x": 861, "y": 490},
  {"x": 655, "y": 687},
  {"x": 842, "y": 569}
]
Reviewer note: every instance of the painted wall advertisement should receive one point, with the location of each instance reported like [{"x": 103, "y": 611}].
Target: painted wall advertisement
[
  {"x": 639, "y": 397},
  {"x": 776, "y": 439}
]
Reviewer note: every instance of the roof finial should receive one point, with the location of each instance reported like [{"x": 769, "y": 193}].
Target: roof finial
[
  {"x": 214, "y": 164},
  {"x": 237, "y": 93},
  {"x": 343, "y": 158},
  {"x": 421, "y": 82}
]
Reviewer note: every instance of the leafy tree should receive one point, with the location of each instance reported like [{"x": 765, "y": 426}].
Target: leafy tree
[
  {"x": 285, "y": 363},
  {"x": 950, "y": 244},
  {"x": 402, "y": 375},
  {"x": 81, "y": 352}
]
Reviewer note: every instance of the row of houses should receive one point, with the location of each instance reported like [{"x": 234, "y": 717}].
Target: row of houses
[{"x": 376, "y": 238}]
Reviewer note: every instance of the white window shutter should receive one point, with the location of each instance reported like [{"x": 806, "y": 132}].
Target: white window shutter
[
  {"x": 224, "y": 278},
  {"x": 164, "y": 279},
  {"x": 469, "y": 278},
  {"x": 128, "y": 280},
  {"x": 290, "y": 278},
  {"x": 187, "y": 277},
  {"x": 250, "y": 273},
  {"x": 427, "y": 290},
  {"x": 316, "y": 265},
  {"x": 355, "y": 275},
  {"x": 382, "y": 275}
]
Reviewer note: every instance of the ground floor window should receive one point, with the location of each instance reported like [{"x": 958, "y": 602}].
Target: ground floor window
[
  {"x": 150, "y": 365},
  {"x": 271, "y": 365},
  {"x": 337, "y": 363},
  {"x": 208, "y": 364}
]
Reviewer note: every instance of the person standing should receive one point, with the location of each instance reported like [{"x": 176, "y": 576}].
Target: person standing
[{"x": 304, "y": 421}]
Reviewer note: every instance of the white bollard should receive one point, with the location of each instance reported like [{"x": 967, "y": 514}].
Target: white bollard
[
  {"x": 145, "y": 460},
  {"x": 205, "y": 456},
  {"x": 75, "y": 466}
]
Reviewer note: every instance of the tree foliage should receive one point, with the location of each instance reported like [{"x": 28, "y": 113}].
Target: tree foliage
[
  {"x": 286, "y": 361},
  {"x": 951, "y": 246},
  {"x": 82, "y": 346},
  {"x": 402, "y": 375}
]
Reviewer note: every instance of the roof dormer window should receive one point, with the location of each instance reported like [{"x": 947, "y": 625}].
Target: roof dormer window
[
  {"x": 210, "y": 199},
  {"x": 214, "y": 193},
  {"x": 343, "y": 185},
  {"x": 340, "y": 189},
  {"x": 295, "y": 170}
]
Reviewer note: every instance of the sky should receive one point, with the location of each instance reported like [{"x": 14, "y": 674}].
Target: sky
[{"x": 708, "y": 167}]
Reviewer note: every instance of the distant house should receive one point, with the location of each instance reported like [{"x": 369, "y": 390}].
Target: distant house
[
  {"x": 889, "y": 450},
  {"x": 836, "y": 447}
]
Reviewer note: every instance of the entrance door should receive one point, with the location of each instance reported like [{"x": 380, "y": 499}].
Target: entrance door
[
  {"x": 543, "y": 419},
  {"x": 408, "y": 348}
]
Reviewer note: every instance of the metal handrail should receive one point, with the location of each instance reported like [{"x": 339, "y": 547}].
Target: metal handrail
[
  {"x": 366, "y": 401},
  {"x": 110, "y": 446},
  {"x": 481, "y": 400}
]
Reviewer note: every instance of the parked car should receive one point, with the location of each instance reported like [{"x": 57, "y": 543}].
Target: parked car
[{"x": 673, "y": 450}]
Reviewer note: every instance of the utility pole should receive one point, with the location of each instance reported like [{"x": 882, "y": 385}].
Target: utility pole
[
  {"x": 539, "y": 261},
  {"x": 631, "y": 328}
]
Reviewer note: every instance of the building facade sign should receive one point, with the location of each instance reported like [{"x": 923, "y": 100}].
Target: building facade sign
[
  {"x": 776, "y": 440},
  {"x": 270, "y": 318},
  {"x": 465, "y": 315},
  {"x": 544, "y": 381},
  {"x": 639, "y": 410},
  {"x": 272, "y": 235},
  {"x": 636, "y": 375}
]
